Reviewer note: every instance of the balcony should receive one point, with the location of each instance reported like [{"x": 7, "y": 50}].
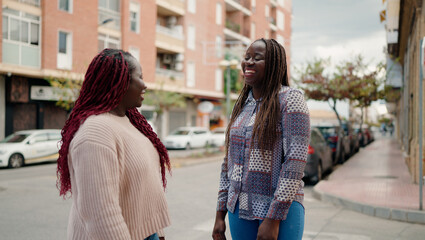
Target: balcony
[
  {"x": 238, "y": 5},
  {"x": 171, "y": 7},
  {"x": 34, "y": 3},
  {"x": 169, "y": 77},
  {"x": 110, "y": 17},
  {"x": 272, "y": 23},
  {"x": 170, "y": 39}
]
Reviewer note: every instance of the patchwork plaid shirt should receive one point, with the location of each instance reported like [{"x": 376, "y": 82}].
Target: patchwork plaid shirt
[{"x": 266, "y": 185}]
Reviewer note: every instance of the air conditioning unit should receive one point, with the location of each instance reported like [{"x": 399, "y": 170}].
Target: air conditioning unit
[
  {"x": 171, "y": 21},
  {"x": 167, "y": 58}
]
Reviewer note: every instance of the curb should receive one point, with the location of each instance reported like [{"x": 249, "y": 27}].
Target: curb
[
  {"x": 178, "y": 163},
  {"x": 403, "y": 215}
]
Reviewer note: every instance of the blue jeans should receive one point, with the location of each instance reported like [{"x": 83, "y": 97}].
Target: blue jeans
[
  {"x": 290, "y": 229},
  {"x": 152, "y": 237}
]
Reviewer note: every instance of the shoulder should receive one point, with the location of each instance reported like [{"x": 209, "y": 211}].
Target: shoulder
[
  {"x": 99, "y": 129},
  {"x": 292, "y": 100}
]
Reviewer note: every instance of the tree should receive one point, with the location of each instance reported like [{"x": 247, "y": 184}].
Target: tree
[
  {"x": 67, "y": 88},
  {"x": 350, "y": 80},
  {"x": 367, "y": 87},
  {"x": 318, "y": 84}
]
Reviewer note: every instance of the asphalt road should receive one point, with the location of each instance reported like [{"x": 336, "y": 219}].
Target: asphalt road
[{"x": 30, "y": 208}]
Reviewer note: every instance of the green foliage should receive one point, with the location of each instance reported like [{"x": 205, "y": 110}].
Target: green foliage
[
  {"x": 350, "y": 80},
  {"x": 164, "y": 100},
  {"x": 68, "y": 89}
]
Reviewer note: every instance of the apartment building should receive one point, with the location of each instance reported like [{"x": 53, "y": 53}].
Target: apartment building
[
  {"x": 179, "y": 44},
  {"x": 405, "y": 26}
]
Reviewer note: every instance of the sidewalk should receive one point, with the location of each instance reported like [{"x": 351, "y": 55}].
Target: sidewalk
[
  {"x": 376, "y": 182},
  {"x": 193, "y": 160}
]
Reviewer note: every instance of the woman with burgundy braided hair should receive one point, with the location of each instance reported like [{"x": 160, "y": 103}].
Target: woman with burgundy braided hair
[
  {"x": 267, "y": 139},
  {"x": 111, "y": 162}
]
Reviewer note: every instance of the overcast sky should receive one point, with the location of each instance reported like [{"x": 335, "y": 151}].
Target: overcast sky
[{"x": 339, "y": 29}]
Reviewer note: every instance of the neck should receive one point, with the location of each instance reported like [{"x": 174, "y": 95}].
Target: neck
[
  {"x": 118, "y": 111},
  {"x": 256, "y": 93}
]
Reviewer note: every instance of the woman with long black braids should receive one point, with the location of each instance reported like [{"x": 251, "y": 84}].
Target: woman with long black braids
[
  {"x": 110, "y": 159},
  {"x": 267, "y": 139}
]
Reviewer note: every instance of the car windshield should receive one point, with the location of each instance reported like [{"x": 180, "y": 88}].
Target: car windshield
[
  {"x": 15, "y": 138},
  {"x": 181, "y": 132},
  {"x": 327, "y": 130}
]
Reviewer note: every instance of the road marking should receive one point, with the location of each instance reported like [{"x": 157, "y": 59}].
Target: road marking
[
  {"x": 333, "y": 236},
  {"x": 206, "y": 226}
]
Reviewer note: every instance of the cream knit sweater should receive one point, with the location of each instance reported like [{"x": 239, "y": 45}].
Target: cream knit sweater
[{"x": 116, "y": 183}]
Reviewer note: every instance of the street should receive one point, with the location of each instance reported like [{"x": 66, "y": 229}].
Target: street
[{"x": 32, "y": 209}]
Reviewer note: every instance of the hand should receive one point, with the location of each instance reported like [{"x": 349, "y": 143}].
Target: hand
[
  {"x": 268, "y": 230},
  {"x": 219, "y": 226}
]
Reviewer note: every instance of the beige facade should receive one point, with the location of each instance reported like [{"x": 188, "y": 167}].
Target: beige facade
[
  {"x": 411, "y": 29},
  {"x": 179, "y": 44}
]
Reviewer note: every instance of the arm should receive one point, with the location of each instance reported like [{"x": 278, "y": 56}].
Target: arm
[
  {"x": 220, "y": 226},
  {"x": 96, "y": 171},
  {"x": 296, "y": 132}
]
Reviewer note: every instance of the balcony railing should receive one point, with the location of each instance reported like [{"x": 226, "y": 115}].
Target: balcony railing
[
  {"x": 176, "y": 32},
  {"x": 233, "y": 26},
  {"x": 35, "y": 3},
  {"x": 106, "y": 15},
  {"x": 169, "y": 77}
]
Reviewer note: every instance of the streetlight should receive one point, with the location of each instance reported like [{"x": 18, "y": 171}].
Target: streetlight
[{"x": 225, "y": 64}]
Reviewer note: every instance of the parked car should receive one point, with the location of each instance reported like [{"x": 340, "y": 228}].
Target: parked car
[
  {"x": 352, "y": 136},
  {"x": 338, "y": 141},
  {"x": 29, "y": 146},
  {"x": 319, "y": 159},
  {"x": 365, "y": 135},
  {"x": 187, "y": 138},
  {"x": 218, "y": 136}
]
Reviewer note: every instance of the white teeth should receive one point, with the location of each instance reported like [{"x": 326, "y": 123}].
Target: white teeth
[{"x": 249, "y": 71}]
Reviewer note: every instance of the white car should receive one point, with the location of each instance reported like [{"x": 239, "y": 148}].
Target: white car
[
  {"x": 29, "y": 146},
  {"x": 218, "y": 136},
  {"x": 187, "y": 138}
]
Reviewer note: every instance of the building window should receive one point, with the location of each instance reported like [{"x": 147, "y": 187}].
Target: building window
[
  {"x": 281, "y": 2},
  {"x": 21, "y": 38},
  {"x": 135, "y": 17},
  {"x": 218, "y": 14},
  {"x": 280, "y": 39},
  {"x": 280, "y": 20},
  {"x": 106, "y": 41},
  {"x": 135, "y": 52},
  {"x": 252, "y": 30},
  {"x": 267, "y": 11},
  {"x": 191, "y": 37},
  {"x": 218, "y": 46},
  {"x": 65, "y": 5},
  {"x": 218, "y": 79},
  {"x": 64, "y": 59},
  {"x": 266, "y": 34},
  {"x": 109, "y": 14},
  {"x": 190, "y": 73},
  {"x": 191, "y": 6}
]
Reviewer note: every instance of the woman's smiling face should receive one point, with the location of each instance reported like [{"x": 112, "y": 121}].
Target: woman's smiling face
[{"x": 253, "y": 64}]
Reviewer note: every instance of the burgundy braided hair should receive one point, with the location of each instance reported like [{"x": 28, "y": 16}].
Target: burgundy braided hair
[{"x": 105, "y": 83}]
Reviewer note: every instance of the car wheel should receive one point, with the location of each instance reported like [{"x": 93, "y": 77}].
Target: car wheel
[
  {"x": 188, "y": 146},
  {"x": 341, "y": 157},
  {"x": 16, "y": 160},
  {"x": 319, "y": 174}
]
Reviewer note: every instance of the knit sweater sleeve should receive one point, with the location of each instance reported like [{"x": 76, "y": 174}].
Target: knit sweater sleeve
[
  {"x": 223, "y": 187},
  {"x": 296, "y": 137},
  {"x": 96, "y": 170}
]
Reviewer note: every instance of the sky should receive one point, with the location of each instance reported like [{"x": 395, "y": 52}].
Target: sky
[{"x": 339, "y": 29}]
